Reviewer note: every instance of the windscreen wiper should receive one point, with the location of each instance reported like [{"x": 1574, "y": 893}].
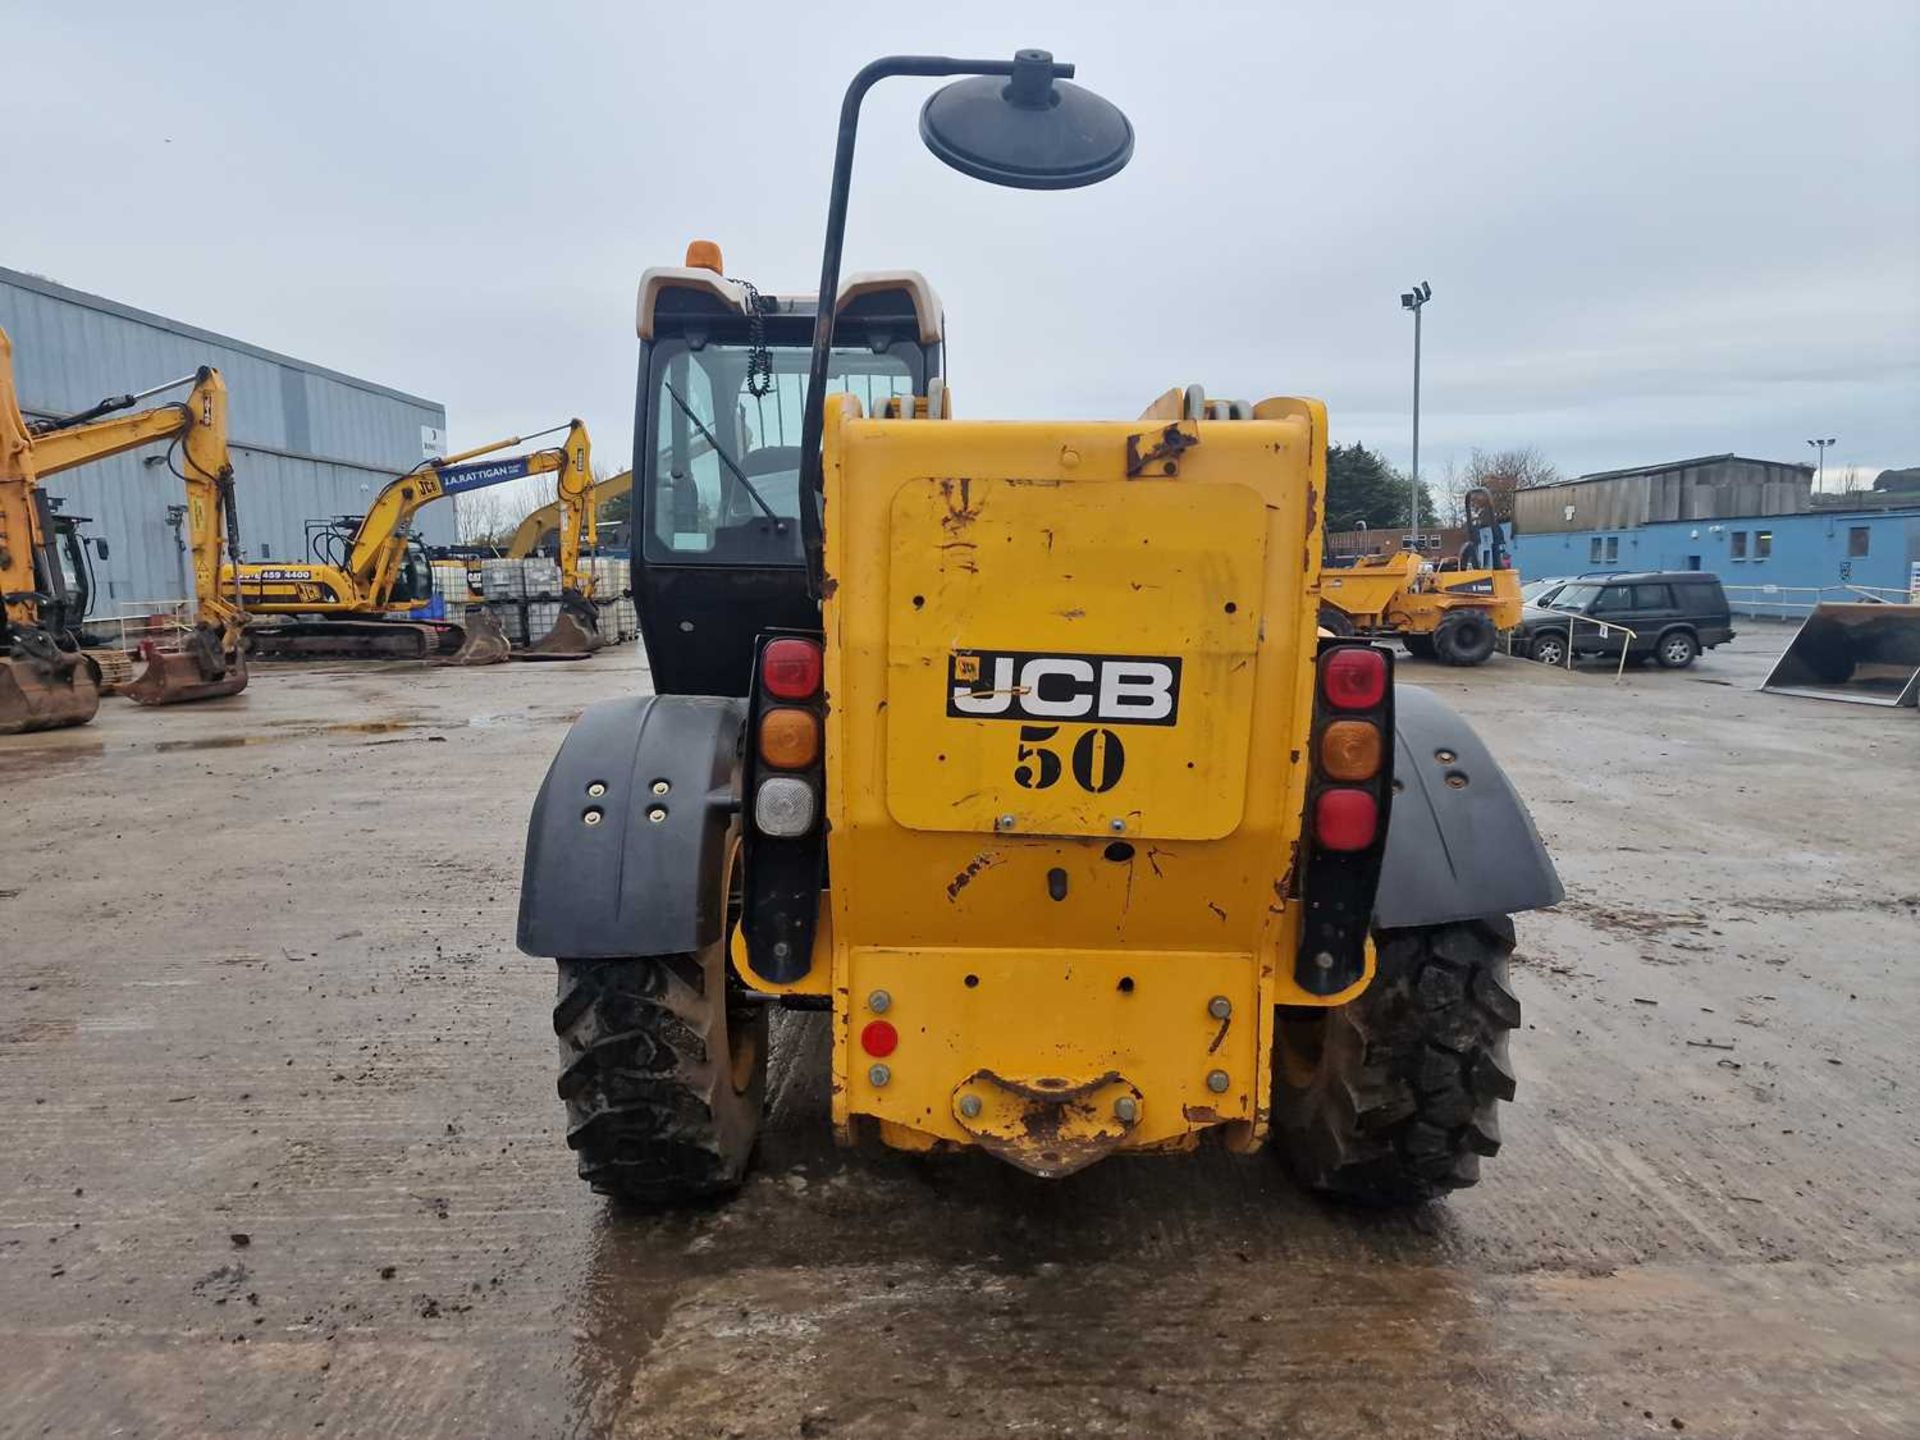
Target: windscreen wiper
[{"x": 726, "y": 459}]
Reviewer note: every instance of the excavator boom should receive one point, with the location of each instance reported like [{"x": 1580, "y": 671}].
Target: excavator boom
[{"x": 211, "y": 660}]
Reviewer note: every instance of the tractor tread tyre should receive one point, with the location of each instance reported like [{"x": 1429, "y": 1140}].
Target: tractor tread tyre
[
  {"x": 1465, "y": 637},
  {"x": 1334, "y": 620},
  {"x": 647, "y": 1072},
  {"x": 1402, "y": 1100}
]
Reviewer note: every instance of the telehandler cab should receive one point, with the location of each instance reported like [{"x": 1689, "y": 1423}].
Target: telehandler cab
[{"x": 1014, "y": 747}]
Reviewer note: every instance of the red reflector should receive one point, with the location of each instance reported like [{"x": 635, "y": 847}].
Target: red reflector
[
  {"x": 1354, "y": 677},
  {"x": 879, "y": 1037},
  {"x": 790, "y": 669},
  {"x": 1345, "y": 819}
]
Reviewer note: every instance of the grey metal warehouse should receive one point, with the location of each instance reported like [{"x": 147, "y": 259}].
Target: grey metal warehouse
[{"x": 308, "y": 443}]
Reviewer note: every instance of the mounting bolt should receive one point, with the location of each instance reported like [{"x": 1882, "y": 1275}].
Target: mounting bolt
[
  {"x": 1005, "y": 822},
  {"x": 879, "y": 1075},
  {"x": 657, "y": 814},
  {"x": 1126, "y": 1109},
  {"x": 1323, "y": 961},
  {"x": 781, "y": 949},
  {"x": 661, "y": 787},
  {"x": 1116, "y": 825},
  {"x": 1217, "y": 1081},
  {"x": 592, "y": 817},
  {"x": 596, "y": 790},
  {"x": 969, "y": 1104},
  {"x": 1219, "y": 1007},
  {"x": 879, "y": 1002}
]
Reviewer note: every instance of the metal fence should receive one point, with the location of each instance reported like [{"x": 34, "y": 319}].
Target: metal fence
[{"x": 1796, "y": 602}]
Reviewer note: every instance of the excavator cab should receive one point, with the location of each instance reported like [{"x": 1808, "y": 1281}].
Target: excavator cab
[
  {"x": 413, "y": 581},
  {"x": 73, "y": 566}
]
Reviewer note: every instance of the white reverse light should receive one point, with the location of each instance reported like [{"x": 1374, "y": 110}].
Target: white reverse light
[{"x": 783, "y": 806}]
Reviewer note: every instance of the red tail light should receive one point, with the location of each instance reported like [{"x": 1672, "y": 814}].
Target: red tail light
[
  {"x": 790, "y": 669},
  {"x": 1354, "y": 677},
  {"x": 1345, "y": 819}
]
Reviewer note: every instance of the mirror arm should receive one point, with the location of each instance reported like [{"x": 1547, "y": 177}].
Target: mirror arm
[{"x": 813, "y": 423}]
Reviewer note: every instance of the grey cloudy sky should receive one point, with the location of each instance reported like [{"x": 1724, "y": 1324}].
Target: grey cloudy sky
[{"x": 1653, "y": 230}]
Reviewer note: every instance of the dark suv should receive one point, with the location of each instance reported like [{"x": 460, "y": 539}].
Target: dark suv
[{"x": 1673, "y": 615}]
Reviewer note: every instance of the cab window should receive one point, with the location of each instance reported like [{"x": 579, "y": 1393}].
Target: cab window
[{"x": 725, "y": 481}]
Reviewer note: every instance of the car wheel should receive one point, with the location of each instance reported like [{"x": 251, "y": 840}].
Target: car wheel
[
  {"x": 1677, "y": 649},
  {"x": 1548, "y": 649}
]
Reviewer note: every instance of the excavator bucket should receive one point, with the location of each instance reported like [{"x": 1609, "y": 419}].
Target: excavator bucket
[
  {"x": 197, "y": 671},
  {"x": 1865, "y": 653},
  {"x": 47, "y": 692},
  {"x": 575, "y": 635},
  {"x": 485, "y": 641}
]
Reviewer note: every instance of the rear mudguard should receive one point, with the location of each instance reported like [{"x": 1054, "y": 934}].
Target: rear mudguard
[
  {"x": 636, "y": 869},
  {"x": 1460, "y": 843}
]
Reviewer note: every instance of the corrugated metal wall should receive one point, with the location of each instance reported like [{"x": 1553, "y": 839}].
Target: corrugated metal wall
[
  {"x": 1723, "y": 487},
  {"x": 307, "y": 442},
  {"x": 1825, "y": 550}
]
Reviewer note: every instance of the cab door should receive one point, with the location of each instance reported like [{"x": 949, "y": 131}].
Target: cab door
[
  {"x": 1611, "y": 608},
  {"x": 1654, "y": 609}
]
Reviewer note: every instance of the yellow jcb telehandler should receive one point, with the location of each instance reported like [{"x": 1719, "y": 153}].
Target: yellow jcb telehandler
[
  {"x": 45, "y": 680},
  {"x": 1015, "y": 749},
  {"x": 363, "y": 571},
  {"x": 1453, "y": 612}
]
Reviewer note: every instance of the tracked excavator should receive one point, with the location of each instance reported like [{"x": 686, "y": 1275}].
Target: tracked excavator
[
  {"x": 542, "y": 528},
  {"x": 46, "y": 681},
  {"x": 363, "y": 591}
]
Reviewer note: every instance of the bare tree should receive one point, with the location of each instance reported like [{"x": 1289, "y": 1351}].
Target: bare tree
[
  {"x": 1848, "y": 479},
  {"x": 485, "y": 517},
  {"x": 1499, "y": 473}
]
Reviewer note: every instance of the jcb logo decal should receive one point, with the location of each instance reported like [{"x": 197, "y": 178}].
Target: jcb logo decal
[{"x": 1027, "y": 686}]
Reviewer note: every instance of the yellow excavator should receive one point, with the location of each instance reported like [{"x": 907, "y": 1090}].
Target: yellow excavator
[
  {"x": 46, "y": 682},
  {"x": 363, "y": 591},
  {"x": 542, "y": 527}
]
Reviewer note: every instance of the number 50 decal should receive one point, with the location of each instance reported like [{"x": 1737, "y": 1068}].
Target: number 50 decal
[{"x": 1098, "y": 759}]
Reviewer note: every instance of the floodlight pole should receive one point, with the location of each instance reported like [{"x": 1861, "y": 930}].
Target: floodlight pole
[
  {"x": 813, "y": 422},
  {"x": 1415, "y": 300},
  {"x": 1820, "y": 480}
]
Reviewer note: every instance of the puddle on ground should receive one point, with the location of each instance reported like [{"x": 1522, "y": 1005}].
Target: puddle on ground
[{"x": 35, "y": 759}]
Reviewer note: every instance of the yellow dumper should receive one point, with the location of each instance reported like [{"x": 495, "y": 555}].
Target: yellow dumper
[{"x": 1453, "y": 612}]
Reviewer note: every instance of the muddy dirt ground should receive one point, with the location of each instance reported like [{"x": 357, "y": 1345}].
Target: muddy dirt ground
[{"x": 282, "y": 1154}]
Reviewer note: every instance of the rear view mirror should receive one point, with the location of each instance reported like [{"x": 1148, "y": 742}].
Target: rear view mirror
[{"x": 100, "y": 548}]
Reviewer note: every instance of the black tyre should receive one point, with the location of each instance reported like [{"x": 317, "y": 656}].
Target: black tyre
[
  {"x": 663, "y": 1078},
  {"x": 1465, "y": 637},
  {"x": 1392, "y": 1098},
  {"x": 1334, "y": 620},
  {"x": 1549, "y": 647},
  {"x": 1418, "y": 646},
  {"x": 1676, "y": 650}
]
